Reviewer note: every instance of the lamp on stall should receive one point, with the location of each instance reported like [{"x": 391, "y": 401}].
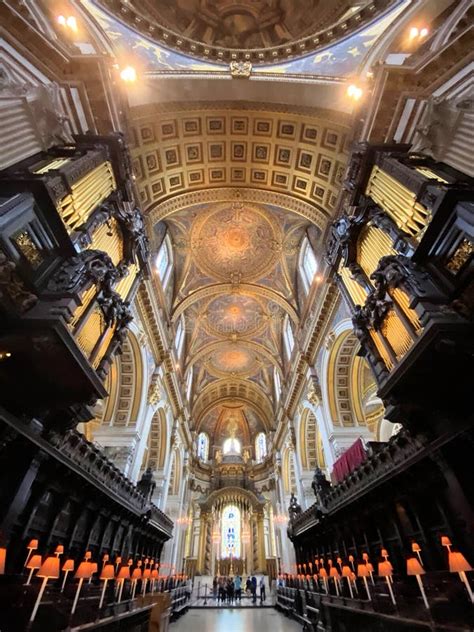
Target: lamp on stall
[
  {"x": 94, "y": 570},
  {"x": 370, "y": 568},
  {"x": 59, "y": 550},
  {"x": 445, "y": 541},
  {"x": 87, "y": 556},
  {"x": 351, "y": 561},
  {"x": 118, "y": 561},
  {"x": 105, "y": 559},
  {"x": 146, "y": 576},
  {"x": 347, "y": 573},
  {"x": 339, "y": 561},
  {"x": 68, "y": 566},
  {"x": 108, "y": 572},
  {"x": 363, "y": 571},
  {"x": 385, "y": 570},
  {"x": 365, "y": 557},
  {"x": 333, "y": 572},
  {"x": 49, "y": 570},
  {"x": 415, "y": 547},
  {"x": 84, "y": 571},
  {"x": 3, "y": 557},
  {"x": 415, "y": 568},
  {"x": 123, "y": 574},
  {"x": 323, "y": 573},
  {"x": 154, "y": 577},
  {"x": 136, "y": 575},
  {"x": 32, "y": 546},
  {"x": 33, "y": 564},
  {"x": 459, "y": 564}
]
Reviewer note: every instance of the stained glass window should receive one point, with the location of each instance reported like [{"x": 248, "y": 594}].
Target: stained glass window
[
  {"x": 203, "y": 446},
  {"x": 230, "y": 543},
  {"x": 260, "y": 447}
]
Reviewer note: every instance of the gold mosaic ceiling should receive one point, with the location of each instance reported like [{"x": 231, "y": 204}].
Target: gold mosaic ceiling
[{"x": 259, "y": 31}]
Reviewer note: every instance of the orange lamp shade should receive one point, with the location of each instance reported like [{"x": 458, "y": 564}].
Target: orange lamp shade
[
  {"x": 32, "y": 544},
  {"x": 415, "y": 547},
  {"x": 124, "y": 573},
  {"x": 88, "y": 555},
  {"x": 339, "y": 560},
  {"x": 94, "y": 567},
  {"x": 414, "y": 567},
  {"x": 118, "y": 560},
  {"x": 108, "y": 572},
  {"x": 351, "y": 558},
  {"x": 362, "y": 570},
  {"x": 346, "y": 571},
  {"x": 315, "y": 576},
  {"x": 154, "y": 574},
  {"x": 365, "y": 556},
  {"x": 323, "y": 572},
  {"x": 84, "y": 571},
  {"x": 34, "y": 562},
  {"x": 137, "y": 574},
  {"x": 458, "y": 563},
  {"x": 385, "y": 569},
  {"x": 3, "y": 557},
  {"x": 59, "y": 549},
  {"x": 105, "y": 558},
  {"x": 445, "y": 541},
  {"x": 333, "y": 572},
  {"x": 139, "y": 563},
  {"x": 321, "y": 561},
  {"x": 68, "y": 565},
  {"x": 50, "y": 568},
  {"x": 146, "y": 573},
  {"x": 130, "y": 562},
  {"x": 384, "y": 553}
]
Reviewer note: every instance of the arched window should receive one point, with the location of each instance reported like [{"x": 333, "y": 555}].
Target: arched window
[
  {"x": 277, "y": 383},
  {"x": 230, "y": 541},
  {"x": 164, "y": 261},
  {"x": 308, "y": 264},
  {"x": 203, "y": 446},
  {"x": 179, "y": 338},
  {"x": 232, "y": 446},
  {"x": 189, "y": 384},
  {"x": 261, "y": 447},
  {"x": 288, "y": 337}
]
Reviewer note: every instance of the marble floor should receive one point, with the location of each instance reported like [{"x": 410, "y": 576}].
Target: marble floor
[{"x": 229, "y": 620}]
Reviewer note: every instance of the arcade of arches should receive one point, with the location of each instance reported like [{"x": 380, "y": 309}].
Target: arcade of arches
[{"x": 276, "y": 156}]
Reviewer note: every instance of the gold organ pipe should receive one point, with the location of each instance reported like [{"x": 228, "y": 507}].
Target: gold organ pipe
[
  {"x": 356, "y": 291},
  {"x": 399, "y": 202},
  {"x": 396, "y": 334},
  {"x": 86, "y": 195},
  {"x": 389, "y": 363},
  {"x": 403, "y": 300},
  {"x": 103, "y": 346},
  {"x": 107, "y": 237},
  {"x": 373, "y": 244},
  {"x": 56, "y": 163},
  {"x": 90, "y": 332},
  {"x": 86, "y": 298},
  {"x": 124, "y": 285}
]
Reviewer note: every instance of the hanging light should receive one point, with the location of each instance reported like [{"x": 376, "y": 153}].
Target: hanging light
[{"x": 128, "y": 74}]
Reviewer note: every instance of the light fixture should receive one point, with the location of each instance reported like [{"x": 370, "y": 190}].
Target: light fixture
[
  {"x": 354, "y": 92},
  {"x": 145, "y": 578},
  {"x": 59, "y": 550},
  {"x": 363, "y": 571},
  {"x": 417, "y": 33},
  {"x": 136, "y": 575},
  {"x": 3, "y": 556},
  {"x": 347, "y": 573},
  {"x": 108, "y": 572},
  {"x": 459, "y": 564},
  {"x": 68, "y": 566},
  {"x": 49, "y": 570},
  {"x": 415, "y": 568},
  {"x": 128, "y": 74},
  {"x": 33, "y": 564},
  {"x": 334, "y": 573},
  {"x": 385, "y": 570},
  {"x": 4, "y": 355},
  {"x": 415, "y": 547},
  {"x": 83, "y": 572},
  {"x": 414, "y": 32},
  {"x": 123, "y": 574},
  {"x": 69, "y": 22},
  {"x": 32, "y": 546}
]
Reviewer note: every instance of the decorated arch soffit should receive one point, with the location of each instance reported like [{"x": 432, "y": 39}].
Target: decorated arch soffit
[{"x": 295, "y": 37}]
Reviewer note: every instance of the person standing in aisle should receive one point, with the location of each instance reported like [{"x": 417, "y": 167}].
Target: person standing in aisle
[{"x": 262, "y": 590}]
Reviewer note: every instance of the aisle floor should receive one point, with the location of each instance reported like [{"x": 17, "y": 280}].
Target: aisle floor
[{"x": 234, "y": 620}]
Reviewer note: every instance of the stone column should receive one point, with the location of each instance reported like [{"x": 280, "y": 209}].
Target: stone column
[{"x": 261, "y": 558}]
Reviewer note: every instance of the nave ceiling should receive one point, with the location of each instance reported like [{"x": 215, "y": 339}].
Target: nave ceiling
[{"x": 236, "y": 187}]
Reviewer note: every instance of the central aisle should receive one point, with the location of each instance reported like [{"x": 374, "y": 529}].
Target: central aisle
[{"x": 234, "y": 620}]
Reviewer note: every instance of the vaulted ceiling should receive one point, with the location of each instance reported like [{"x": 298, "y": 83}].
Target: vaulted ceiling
[{"x": 236, "y": 186}]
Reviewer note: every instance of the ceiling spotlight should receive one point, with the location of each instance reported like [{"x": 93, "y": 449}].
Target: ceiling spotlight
[
  {"x": 61, "y": 20},
  {"x": 4, "y": 355},
  {"x": 424, "y": 32},
  {"x": 72, "y": 23},
  {"x": 354, "y": 92},
  {"x": 128, "y": 74},
  {"x": 414, "y": 32}
]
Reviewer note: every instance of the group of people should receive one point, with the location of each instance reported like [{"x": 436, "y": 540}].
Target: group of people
[{"x": 229, "y": 590}]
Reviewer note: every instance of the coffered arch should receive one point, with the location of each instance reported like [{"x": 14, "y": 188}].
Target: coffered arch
[
  {"x": 247, "y": 289},
  {"x": 184, "y": 147},
  {"x": 234, "y": 391},
  {"x": 222, "y": 344}
]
